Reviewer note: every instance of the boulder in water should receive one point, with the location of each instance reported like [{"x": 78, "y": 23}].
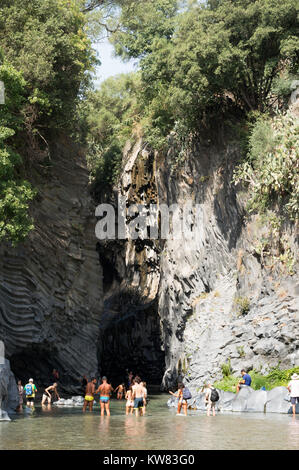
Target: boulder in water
[
  {"x": 73, "y": 401},
  {"x": 256, "y": 401},
  {"x": 239, "y": 403},
  {"x": 278, "y": 401},
  {"x": 225, "y": 400}
]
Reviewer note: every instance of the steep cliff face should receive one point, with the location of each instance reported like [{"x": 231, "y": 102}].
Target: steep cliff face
[
  {"x": 217, "y": 295},
  {"x": 219, "y": 299},
  {"x": 51, "y": 286},
  {"x": 162, "y": 308}
]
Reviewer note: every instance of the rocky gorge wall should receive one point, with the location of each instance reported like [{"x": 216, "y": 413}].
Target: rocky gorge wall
[
  {"x": 219, "y": 297},
  {"x": 163, "y": 308},
  {"x": 51, "y": 285}
]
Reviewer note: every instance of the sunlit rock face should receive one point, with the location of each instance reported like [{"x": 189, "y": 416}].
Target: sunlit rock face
[
  {"x": 51, "y": 286},
  {"x": 217, "y": 296}
]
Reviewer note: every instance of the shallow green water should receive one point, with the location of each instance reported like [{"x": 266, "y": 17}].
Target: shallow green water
[{"x": 68, "y": 428}]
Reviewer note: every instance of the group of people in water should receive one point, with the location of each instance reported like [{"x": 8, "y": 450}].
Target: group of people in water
[
  {"x": 211, "y": 395},
  {"x": 135, "y": 395}
]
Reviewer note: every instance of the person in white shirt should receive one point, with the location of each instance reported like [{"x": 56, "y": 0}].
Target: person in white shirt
[{"x": 293, "y": 388}]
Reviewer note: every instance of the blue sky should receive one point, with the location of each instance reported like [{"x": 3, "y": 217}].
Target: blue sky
[{"x": 110, "y": 65}]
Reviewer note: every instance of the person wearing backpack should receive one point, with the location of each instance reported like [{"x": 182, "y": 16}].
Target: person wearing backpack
[
  {"x": 211, "y": 398},
  {"x": 30, "y": 391},
  {"x": 183, "y": 394}
]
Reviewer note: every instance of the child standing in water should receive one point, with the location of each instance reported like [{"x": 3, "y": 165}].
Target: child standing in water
[{"x": 130, "y": 402}]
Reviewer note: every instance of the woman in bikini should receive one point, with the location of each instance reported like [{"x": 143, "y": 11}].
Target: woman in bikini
[{"x": 182, "y": 402}]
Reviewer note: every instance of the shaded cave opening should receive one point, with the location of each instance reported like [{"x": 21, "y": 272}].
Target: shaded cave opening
[
  {"x": 33, "y": 362},
  {"x": 38, "y": 361},
  {"x": 133, "y": 343}
]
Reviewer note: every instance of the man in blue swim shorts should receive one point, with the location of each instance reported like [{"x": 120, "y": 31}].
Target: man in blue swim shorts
[
  {"x": 138, "y": 395},
  {"x": 105, "y": 391}
]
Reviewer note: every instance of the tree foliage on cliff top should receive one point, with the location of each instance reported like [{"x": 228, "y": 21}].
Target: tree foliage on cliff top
[
  {"x": 45, "y": 59},
  {"x": 46, "y": 41},
  {"x": 197, "y": 61},
  {"x": 112, "y": 114}
]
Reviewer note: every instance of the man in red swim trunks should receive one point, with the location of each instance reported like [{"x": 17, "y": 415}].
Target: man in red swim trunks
[{"x": 105, "y": 391}]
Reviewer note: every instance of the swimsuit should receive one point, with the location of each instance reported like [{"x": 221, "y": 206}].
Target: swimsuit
[
  {"x": 138, "y": 403},
  {"x": 88, "y": 398},
  {"x": 104, "y": 399}
]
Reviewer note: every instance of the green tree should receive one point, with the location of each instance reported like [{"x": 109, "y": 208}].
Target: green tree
[
  {"x": 197, "y": 63},
  {"x": 46, "y": 40},
  {"x": 111, "y": 115},
  {"x": 15, "y": 192}
]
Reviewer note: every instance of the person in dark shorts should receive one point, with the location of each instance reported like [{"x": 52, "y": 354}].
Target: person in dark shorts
[
  {"x": 138, "y": 396},
  {"x": 246, "y": 380},
  {"x": 30, "y": 391},
  {"x": 293, "y": 388}
]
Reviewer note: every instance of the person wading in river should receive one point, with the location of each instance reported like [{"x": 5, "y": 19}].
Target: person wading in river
[
  {"x": 120, "y": 391},
  {"x": 138, "y": 395},
  {"x": 47, "y": 395},
  {"x": 211, "y": 398},
  {"x": 30, "y": 391},
  {"x": 293, "y": 388},
  {"x": 105, "y": 391},
  {"x": 182, "y": 402},
  {"x": 89, "y": 394},
  {"x": 129, "y": 402}
]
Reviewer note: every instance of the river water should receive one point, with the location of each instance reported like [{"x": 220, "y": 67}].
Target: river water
[{"x": 68, "y": 428}]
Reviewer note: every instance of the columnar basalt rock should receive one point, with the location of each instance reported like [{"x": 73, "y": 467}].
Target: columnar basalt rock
[
  {"x": 217, "y": 298},
  {"x": 51, "y": 285}
]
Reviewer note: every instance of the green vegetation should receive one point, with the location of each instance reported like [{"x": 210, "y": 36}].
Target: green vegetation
[
  {"x": 240, "y": 351},
  {"x": 15, "y": 192},
  {"x": 45, "y": 58},
  {"x": 208, "y": 58},
  {"x": 46, "y": 41},
  {"x": 276, "y": 377},
  {"x": 200, "y": 64},
  {"x": 243, "y": 305},
  {"x": 226, "y": 369},
  {"x": 112, "y": 114},
  {"x": 272, "y": 169}
]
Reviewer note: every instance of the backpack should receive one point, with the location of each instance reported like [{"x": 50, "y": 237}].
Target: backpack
[
  {"x": 186, "y": 394},
  {"x": 28, "y": 389},
  {"x": 214, "y": 395}
]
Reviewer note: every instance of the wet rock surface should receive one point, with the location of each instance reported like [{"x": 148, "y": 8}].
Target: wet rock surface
[{"x": 73, "y": 401}]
